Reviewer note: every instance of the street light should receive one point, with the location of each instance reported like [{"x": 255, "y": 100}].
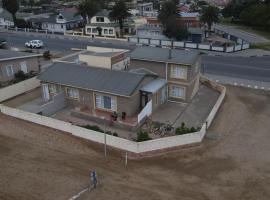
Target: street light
[{"x": 105, "y": 141}]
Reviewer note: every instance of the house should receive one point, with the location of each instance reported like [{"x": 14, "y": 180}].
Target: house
[
  {"x": 102, "y": 25},
  {"x": 109, "y": 58},
  {"x": 150, "y": 31},
  {"x": 13, "y": 61},
  {"x": 188, "y": 19},
  {"x": 60, "y": 23},
  {"x": 146, "y": 9},
  {"x": 94, "y": 89},
  {"x": 179, "y": 68}
]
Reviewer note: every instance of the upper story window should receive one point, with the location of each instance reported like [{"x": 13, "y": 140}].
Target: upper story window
[
  {"x": 100, "y": 19},
  {"x": 9, "y": 70},
  {"x": 178, "y": 72},
  {"x": 73, "y": 93}
]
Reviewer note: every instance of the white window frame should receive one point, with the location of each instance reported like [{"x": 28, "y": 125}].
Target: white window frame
[
  {"x": 72, "y": 93},
  {"x": 176, "y": 94},
  {"x": 99, "y": 102},
  {"x": 179, "y": 72},
  {"x": 24, "y": 65},
  {"x": 10, "y": 71}
]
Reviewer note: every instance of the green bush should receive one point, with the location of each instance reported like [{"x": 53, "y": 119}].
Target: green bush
[
  {"x": 98, "y": 129},
  {"x": 143, "y": 136},
  {"x": 184, "y": 130}
]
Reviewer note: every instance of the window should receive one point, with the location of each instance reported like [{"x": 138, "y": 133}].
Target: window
[
  {"x": 9, "y": 70},
  {"x": 88, "y": 30},
  {"x": 106, "y": 102},
  {"x": 105, "y": 31},
  {"x": 94, "y": 30},
  {"x": 24, "y": 67},
  {"x": 178, "y": 72},
  {"x": 72, "y": 93},
  {"x": 177, "y": 91},
  {"x": 111, "y": 31},
  {"x": 52, "y": 89},
  {"x": 100, "y": 19}
]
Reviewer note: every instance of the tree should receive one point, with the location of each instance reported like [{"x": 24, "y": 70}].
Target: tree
[
  {"x": 168, "y": 9},
  {"x": 171, "y": 21},
  {"x": 209, "y": 16},
  {"x": 175, "y": 29},
  {"x": 12, "y": 6},
  {"x": 119, "y": 13},
  {"x": 88, "y": 8}
]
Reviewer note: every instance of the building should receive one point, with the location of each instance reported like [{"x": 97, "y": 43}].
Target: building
[
  {"x": 94, "y": 89},
  {"x": 150, "y": 31},
  {"x": 102, "y": 25},
  {"x": 65, "y": 20},
  {"x": 109, "y": 58},
  {"x": 179, "y": 68},
  {"x": 7, "y": 20},
  {"x": 188, "y": 19},
  {"x": 146, "y": 9},
  {"x": 13, "y": 61}
]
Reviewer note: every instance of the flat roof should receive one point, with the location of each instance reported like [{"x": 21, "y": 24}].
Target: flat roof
[
  {"x": 114, "y": 82},
  {"x": 154, "y": 85},
  {"x": 103, "y": 54},
  {"x": 156, "y": 54}
]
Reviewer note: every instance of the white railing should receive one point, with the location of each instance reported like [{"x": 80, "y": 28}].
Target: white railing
[{"x": 146, "y": 112}]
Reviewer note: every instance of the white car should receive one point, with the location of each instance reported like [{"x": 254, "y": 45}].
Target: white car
[{"x": 34, "y": 44}]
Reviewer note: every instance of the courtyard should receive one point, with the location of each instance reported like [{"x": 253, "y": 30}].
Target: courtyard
[{"x": 232, "y": 162}]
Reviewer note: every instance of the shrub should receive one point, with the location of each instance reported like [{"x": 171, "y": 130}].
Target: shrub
[
  {"x": 20, "y": 76},
  {"x": 47, "y": 55},
  {"x": 143, "y": 136},
  {"x": 184, "y": 130}
]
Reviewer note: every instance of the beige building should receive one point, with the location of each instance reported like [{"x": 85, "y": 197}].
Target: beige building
[
  {"x": 13, "y": 61},
  {"x": 180, "y": 69}
]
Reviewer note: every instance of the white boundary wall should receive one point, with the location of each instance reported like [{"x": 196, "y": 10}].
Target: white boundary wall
[
  {"x": 146, "y": 112},
  {"x": 18, "y": 88},
  {"x": 116, "y": 142}
]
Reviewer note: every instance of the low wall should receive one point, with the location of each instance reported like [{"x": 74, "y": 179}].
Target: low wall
[
  {"x": 18, "y": 88},
  {"x": 120, "y": 143}
]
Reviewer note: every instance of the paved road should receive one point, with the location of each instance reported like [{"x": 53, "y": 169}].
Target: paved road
[
  {"x": 248, "y": 71},
  {"x": 250, "y": 37},
  {"x": 56, "y": 44}
]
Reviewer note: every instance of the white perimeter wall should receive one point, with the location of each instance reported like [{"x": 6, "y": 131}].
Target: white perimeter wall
[{"x": 18, "y": 88}]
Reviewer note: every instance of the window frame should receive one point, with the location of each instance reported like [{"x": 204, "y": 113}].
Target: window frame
[
  {"x": 75, "y": 97},
  {"x": 7, "y": 70},
  {"x": 181, "y": 74},
  {"x": 101, "y": 106},
  {"x": 175, "y": 96}
]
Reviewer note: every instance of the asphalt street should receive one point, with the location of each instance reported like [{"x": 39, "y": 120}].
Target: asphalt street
[{"x": 243, "y": 70}]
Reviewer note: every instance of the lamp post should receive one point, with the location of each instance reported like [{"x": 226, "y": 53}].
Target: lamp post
[{"x": 105, "y": 141}]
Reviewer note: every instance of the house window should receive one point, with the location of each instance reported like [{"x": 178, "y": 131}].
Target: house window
[
  {"x": 24, "y": 67},
  {"x": 9, "y": 70},
  {"x": 178, "y": 72},
  {"x": 73, "y": 93},
  {"x": 53, "y": 89},
  {"x": 105, "y": 31},
  {"x": 88, "y": 30},
  {"x": 62, "y": 26},
  {"x": 177, "y": 91},
  {"x": 111, "y": 31},
  {"x": 106, "y": 102},
  {"x": 94, "y": 30},
  {"x": 100, "y": 19}
]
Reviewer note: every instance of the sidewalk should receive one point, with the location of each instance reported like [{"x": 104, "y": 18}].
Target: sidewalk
[{"x": 243, "y": 53}]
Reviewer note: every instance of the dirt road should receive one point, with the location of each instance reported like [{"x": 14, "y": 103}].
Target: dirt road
[{"x": 232, "y": 163}]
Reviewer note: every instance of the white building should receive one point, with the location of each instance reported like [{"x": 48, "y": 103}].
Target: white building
[
  {"x": 65, "y": 20},
  {"x": 101, "y": 25}
]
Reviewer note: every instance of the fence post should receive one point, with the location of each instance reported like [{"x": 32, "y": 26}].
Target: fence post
[{"x": 16, "y": 28}]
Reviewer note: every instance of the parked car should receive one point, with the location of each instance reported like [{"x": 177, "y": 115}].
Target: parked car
[
  {"x": 34, "y": 44},
  {"x": 2, "y": 42}
]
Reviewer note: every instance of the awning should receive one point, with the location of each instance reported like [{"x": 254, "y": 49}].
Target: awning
[{"x": 154, "y": 86}]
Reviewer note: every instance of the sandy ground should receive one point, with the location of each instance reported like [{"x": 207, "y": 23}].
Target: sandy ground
[{"x": 232, "y": 162}]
